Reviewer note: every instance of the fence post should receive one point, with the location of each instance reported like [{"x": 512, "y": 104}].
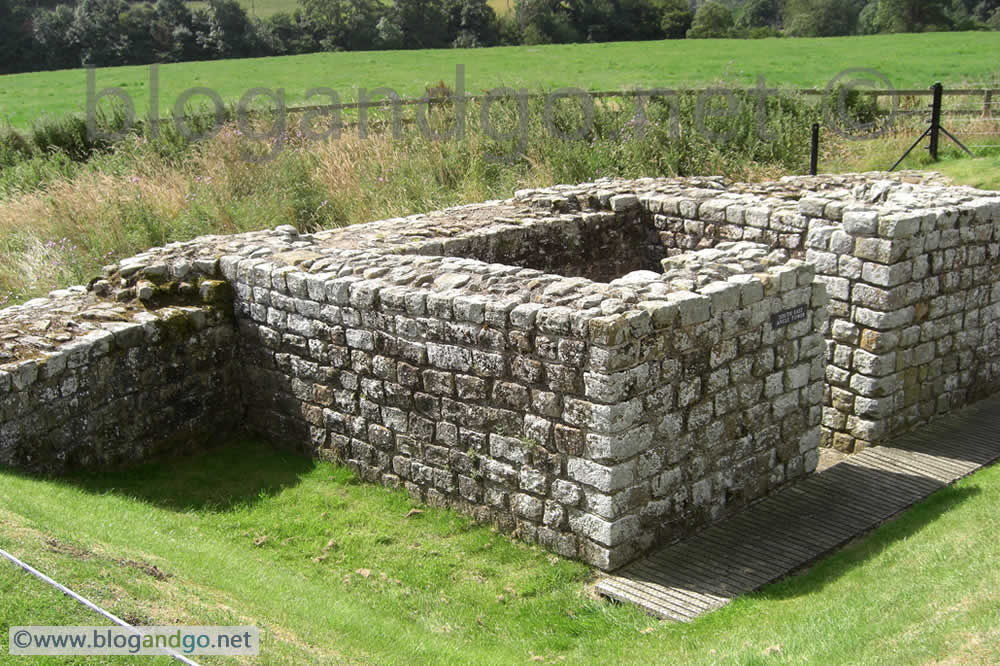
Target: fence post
[
  {"x": 935, "y": 128},
  {"x": 988, "y": 103},
  {"x": 814, "y": 152}
]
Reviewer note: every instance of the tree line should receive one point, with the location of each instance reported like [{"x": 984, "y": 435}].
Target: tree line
[{"x": 62, "y": 34}]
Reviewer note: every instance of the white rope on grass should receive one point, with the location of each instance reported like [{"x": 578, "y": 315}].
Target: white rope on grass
[{"x": 89, "y": 604}]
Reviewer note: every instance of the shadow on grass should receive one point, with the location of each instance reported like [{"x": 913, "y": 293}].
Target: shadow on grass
[
  {"x": 240, "y": 472},
  {"x": 827, "y": 569},
  {"x": 811, "y": 520}
]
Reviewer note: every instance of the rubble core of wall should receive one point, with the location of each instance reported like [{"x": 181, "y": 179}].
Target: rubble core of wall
[{"x": 597, "y": 367}]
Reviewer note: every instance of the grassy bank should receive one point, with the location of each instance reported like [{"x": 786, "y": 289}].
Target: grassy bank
[
  {"x": 333, "y": 571},
  {"x": 908, "y": 61}
]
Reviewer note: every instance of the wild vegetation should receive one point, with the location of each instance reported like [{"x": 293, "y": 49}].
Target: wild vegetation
[{"x": 61, "y": 219}]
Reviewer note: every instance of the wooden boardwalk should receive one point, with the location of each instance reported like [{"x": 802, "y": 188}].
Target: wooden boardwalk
[{"x": 799, "y": 524}]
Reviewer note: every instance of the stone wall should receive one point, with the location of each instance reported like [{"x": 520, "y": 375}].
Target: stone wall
[
  {"x": 912, "y": 270},
  {"x": 594, "y": 418},
  {"x": 597, "y": 368},
  {"x": 99, "y": 384}
]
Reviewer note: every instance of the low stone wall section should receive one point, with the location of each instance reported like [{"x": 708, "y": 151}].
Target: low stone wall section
[{"x": 102, "y": 384}]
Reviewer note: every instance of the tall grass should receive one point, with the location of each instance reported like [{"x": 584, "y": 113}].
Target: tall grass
[{"x": 69, "y": 205}]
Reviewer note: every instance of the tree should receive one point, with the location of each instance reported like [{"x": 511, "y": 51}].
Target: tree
[
  {"x": 675, "y": 18},
  {"x": 168, "y": 17},
  {"x": 994, "y": 20},
  {"x": 345, "y": 24},
  {"x": 173, "y": 12},
  {"x": 911, "y": 15},
  {"x": 822, "y": 18},
  {"x": 97, "y": 33},
  {"x": 509, "y": 30},
  {"x": 547, "y": 22},
  {"x": 293, "y": 33},
  {"x": 471, "y": 23},
  {"x": 985, "y": 9},
  {"x": 137, "y": 23},
  {"x": 960, "y": 16},
  {"x": 390, "y": 35},
  {"x": 20, "y": 52},
  {"x": 760, "y": 14},
  {"x": 422, "y": 22},
  {"x": 51, "y": 32},
  {"x": 230, "y": 35},
  {"x": 868, "y": 20},
  {"x": 712, "y": 19},
  {"x": 635, "y": 20}
]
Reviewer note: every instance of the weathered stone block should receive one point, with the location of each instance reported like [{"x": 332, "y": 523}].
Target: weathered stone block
[
  {"x": 860, "y": 222},
  {"x": 605, "y": 478}
]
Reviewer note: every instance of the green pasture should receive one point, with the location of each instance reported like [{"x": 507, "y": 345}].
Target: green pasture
[
  {"x": 258, "y": 8},
  {"x": 907, "y": 61}
]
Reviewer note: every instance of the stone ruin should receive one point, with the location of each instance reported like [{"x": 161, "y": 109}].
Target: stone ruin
[{"x": 597, "y": 368}]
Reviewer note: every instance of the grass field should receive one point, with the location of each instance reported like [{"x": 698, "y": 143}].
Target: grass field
[
  {"x": 258, "y": 8},
  {"x": 333, "y": 571},
  {"x": 909, "y": 61},
  {"x": 501, "y": 7}
]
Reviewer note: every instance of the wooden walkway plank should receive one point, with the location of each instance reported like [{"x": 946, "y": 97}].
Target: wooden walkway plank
[
  {"x": 655, "y": 579},
  {"x": 802, "y": 534},
  {"x": 855, "y": 500},
  {"x": 903, "y": 477},
  {"x": 644, "y": 582},
  {"x": 937, "y": 470},
  {"x": 783, "y": 532},
  {"x": 704, "y": 570}
]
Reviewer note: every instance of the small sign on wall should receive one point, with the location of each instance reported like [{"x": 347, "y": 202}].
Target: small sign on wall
[{"x": 786, "y": 317}]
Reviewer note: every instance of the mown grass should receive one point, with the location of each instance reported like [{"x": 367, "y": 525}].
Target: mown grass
[
  {"x": 334, "y": 571},
  {"x": 908, "y": 61}
]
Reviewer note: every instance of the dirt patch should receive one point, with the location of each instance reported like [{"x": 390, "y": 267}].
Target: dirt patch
[
  {"x": 63, "y": 548},
  {"x": 136, "y": 619},
  {"x": 146, "y": 568}
]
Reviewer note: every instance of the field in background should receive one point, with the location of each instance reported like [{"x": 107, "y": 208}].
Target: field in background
[
  {"x": 909, "y": 61},
  {"x": 501, "y": 7},
  {"x": 333, "y": 571},
  {"x": 61, "y": 220},
  {"x": 258, "y": 8}
]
